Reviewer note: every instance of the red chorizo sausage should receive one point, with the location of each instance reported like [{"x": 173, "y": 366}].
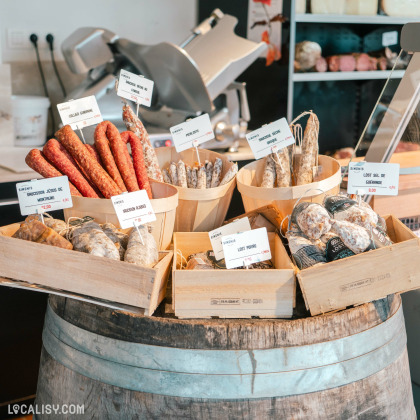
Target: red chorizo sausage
[
  {"x": 77, "y": 149},
  {"x": 134, "y": 124},
  {"x": 60, "y": 158},
  {"x": 105, "y": 133},
  {"x": 138, "y": 160},
  {"x": 36, "y": 161},
  {"x": 92, "y": 150}
]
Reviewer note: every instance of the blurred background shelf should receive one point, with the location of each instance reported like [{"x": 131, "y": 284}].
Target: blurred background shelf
[
  {"x": 354, "y": 19},
  {"x": 347, "y": 75}
]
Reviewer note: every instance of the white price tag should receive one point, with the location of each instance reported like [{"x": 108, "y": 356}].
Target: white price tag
[
  {"x": 44, "y": 195},
  {"x": 246, "y": 248},
  {"x": 389, "y": 38},
  {"x": 270, "y": 138},
  {"x": 133, "y": 207},
  {"x": 135, "y": 88},
  {"x": 373, "y": 178},
  {"x": 80, "y": 113},
  {"x": 192, "y": 133},
  {"x": 216, "y": 235}
]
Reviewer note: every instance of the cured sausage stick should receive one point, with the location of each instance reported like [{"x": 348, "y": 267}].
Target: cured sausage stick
[
  {"x": 120, "y": 154},
  {"x": 282, "y": 163},
  {"x": 269, "y": 176},
  {"x": 58, "y": 156},
  {"x": 182, "y": 174},
  {"x": 69, "y": 157},
  {"x": 230, "y": 174},
  {"x": 92, "y": 150},
  {"x": 36, "y": 161},
  {"x": 309, "y": 151},
  {"x": 77, "y": 149},
  {"x": 138, "y": 161},
  {"x": 106, "y": 135},
  {"x": 134, "y": 124}
]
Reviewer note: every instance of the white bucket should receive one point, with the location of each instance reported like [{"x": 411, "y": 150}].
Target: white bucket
[{"x": 30, "y": 118}]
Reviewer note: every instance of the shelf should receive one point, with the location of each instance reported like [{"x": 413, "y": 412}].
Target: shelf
[
  {"x": 347, "y": 75},
  {"x": 356, "y": 19}
]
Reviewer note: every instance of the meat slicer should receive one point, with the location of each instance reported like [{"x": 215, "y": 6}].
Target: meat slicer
[{"x": 195, "y": 77}]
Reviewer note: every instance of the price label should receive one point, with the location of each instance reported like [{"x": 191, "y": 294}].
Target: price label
[
  {"x": 135, "y": 88},
  {"x": 246, "y": 248},
  {"x": 270, "y": 138},
  {"x": 216, "y": 235},
  {"x": 80, "y": 113},
  {"x": 44, "y": 195},
  {"x": 373, "y": 178},
  {"x": 192, "y": 133},
  {"x": 389, "y": 38},
  {"x": 133, "y": 207}
]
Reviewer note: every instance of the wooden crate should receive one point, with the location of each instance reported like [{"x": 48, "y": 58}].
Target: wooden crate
[
  {"x": 232, "y": 293},
  {"x": 83, "y": 274},
  {"x": 364, "y": 277}
]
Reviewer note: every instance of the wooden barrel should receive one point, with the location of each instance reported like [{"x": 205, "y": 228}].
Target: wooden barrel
[{"x": 350, "y": 364}]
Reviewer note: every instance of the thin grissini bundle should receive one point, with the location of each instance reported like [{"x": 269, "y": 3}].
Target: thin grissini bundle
[
  {"x": 278, "y": 166},
  {"x": 204, "y": 176},
  {"x": 104, "y": 169}
]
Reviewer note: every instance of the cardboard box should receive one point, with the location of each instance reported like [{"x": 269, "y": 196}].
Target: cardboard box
[
  {"x": 364, "y": 277},
  {"x": 83, "y": 274},
  {"x": 232, "y": 293}
]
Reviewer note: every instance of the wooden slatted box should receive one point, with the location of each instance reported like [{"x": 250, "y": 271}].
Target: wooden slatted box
[
  {"x": 364, "y": 277},
  {"x": 237, "y": 293},
  {"x": 83, "y": 274}
]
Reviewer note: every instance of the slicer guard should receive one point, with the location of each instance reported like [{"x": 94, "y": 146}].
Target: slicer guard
[{"x": 187, "y": 79}]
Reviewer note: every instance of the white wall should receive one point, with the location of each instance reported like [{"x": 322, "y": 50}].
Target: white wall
[{"x": 144, "y": 21}]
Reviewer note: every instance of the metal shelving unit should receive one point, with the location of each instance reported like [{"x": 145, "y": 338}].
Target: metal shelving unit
[
  {"x": 347, "y": 75},
  {"x": 354, "y": 19},
  {"x": 307, "y": 18}
]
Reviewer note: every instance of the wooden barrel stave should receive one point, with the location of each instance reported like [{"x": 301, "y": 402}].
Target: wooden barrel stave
[
  {"x": 384, "y": 395},
  {"x": 380, "y": 395}
]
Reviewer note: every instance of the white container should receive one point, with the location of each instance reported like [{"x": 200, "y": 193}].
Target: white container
[
  {"x": 403, "y": 8},
  {"x": 300, "y": 6},
  {"x": 335, "y": 7},
  {"x": 362, "y": 7},
  {"x": 30, "y": 118}
]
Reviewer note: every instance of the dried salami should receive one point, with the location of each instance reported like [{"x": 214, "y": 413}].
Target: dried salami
[
  {"x": 230, "y": 174},
  {"x": 309, "y": 151},
  {"x": 304, "y": 252},
  {"x": 201, "y": 178},
  {"x": 182, "y": 175},
  {"x": 166, "y": 177},
  {"x": 209, "y": 173},
  {"x": 173, "y": 173},
  {"x": 269, "y": 176},
  {"x": 217, "y": 173},
  {"x": 282, "y": 164},
  {"x": 344, "y": 208},
  {"x": 134, "y": 124},
  {"x": 189, "y": 176},
  {"x": 353, "y": 236},
  {"x": 312, "y": 219},
  {"x": 194, "y": 177}
]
